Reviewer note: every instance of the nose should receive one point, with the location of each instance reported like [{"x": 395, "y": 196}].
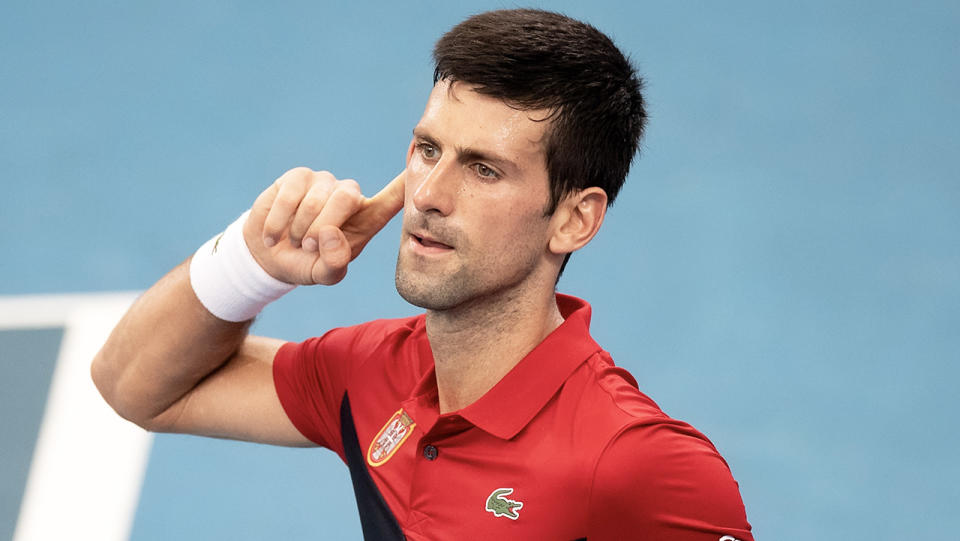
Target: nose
[{"x": 437, "y": 191}]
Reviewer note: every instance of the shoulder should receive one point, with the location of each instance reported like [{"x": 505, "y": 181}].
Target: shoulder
[
  {"x": 608, "y": 396},
  {"x": 357, "y": 340},
  {"x": 656, "y": 476},
  {"x": 311, "y": 377}
]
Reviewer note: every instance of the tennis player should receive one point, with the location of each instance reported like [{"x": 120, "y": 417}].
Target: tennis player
[{"x": 493, "y": 414}]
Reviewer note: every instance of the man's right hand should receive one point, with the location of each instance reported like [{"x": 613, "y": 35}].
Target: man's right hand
[
  {"x": 307, "y": 226},
  {"x": 172, "y": 366}
]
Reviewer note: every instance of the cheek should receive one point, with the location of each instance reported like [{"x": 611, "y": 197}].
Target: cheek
[
  {"x": 511, "y": 227},
  {"x": 416, "y": 164},
  {"x": 417, "y": 170}
]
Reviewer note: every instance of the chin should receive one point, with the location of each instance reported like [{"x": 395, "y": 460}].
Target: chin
[
  {"x": 425, "y": 295},
  {"x": 441, "y": 291},
  {"x": 434, "y": 290}
]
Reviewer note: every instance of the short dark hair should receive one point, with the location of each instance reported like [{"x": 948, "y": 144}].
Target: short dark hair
[{"x": 535, "y": 59}]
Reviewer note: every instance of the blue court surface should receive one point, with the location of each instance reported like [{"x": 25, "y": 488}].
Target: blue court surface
[{"x": 781, "y": 270}]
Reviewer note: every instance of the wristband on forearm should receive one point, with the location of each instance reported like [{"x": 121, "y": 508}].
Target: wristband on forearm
[{"x": 228, "y": 280}]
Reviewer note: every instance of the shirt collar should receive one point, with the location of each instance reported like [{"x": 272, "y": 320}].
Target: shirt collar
[{"x": 514, "y": 401}]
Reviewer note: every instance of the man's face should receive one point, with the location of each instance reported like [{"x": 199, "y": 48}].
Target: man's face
[{"x": 476, "y": 191}]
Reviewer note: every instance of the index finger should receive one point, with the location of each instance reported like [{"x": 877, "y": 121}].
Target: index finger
[
  {"x": 391, "y": 196},
  {"x": 379, "y": 209}
]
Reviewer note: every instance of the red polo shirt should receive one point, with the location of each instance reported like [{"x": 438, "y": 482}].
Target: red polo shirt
[{"x": 564, "y": 447}]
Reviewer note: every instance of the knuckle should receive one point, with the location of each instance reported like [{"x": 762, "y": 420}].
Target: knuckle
[
  {"x": 324, "y": 176},
  {"x": 350, "y": 184},
  {"x": 337, "y": 261},
  {"x": 349, "y": 193},
  {"x": 298, "y": 172},
  {"x": 339, "y": 274},
  {"x": 310, "y": 206},
  {"x": 289, "y": 198},
  {"x": 331, "y": 276},
  {"x": 298, "y": 176}
]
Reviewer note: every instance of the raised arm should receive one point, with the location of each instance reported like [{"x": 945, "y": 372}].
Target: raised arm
[{"x": 171, "y": 365}]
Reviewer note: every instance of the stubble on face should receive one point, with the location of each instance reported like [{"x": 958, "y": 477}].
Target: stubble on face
[
  {"x": 496, "y": 229},
  {"x": 463, "y": 279}
]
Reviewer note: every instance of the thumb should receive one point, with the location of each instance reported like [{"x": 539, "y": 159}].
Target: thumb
[{"x": 335, "y": 254}]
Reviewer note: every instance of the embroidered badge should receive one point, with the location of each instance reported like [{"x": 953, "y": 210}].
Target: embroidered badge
[
  {"x": 503, "y": 507},
  {"x": 390, "y": 438}
]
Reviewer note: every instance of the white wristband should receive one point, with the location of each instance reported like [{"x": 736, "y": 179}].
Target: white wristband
[{"x": 228, "y": 280}]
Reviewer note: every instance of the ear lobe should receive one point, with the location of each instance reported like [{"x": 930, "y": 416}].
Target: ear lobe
[{"x": 578, "y": 218}]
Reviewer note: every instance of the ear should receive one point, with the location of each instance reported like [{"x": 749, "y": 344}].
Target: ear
[{"x": 577, "y": 219}]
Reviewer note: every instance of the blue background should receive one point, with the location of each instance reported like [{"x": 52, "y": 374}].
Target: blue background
[{"x": 781, "y": 270}]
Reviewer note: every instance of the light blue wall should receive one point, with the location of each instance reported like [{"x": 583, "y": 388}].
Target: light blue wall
[{"x": 782, "y": 269}]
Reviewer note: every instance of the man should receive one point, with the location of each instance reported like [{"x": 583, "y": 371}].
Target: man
[{"x": 494, "y": 415}]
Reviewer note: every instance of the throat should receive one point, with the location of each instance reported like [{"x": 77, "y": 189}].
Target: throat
[{"x": 472, "y": 355}]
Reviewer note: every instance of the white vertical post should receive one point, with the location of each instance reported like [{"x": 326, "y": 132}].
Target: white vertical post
[{"x": 88, "y": 463}]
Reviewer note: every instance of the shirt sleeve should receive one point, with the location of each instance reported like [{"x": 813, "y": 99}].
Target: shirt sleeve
[
  {"x": 310, "y": 382},
  {"x": 311, "y": 377},
  {"x": 665, "y": 481}
]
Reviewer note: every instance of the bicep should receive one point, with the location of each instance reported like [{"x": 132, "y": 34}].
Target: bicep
[
  {"x": 665, "y": 482},
  {"x": 237, "y": 401}
]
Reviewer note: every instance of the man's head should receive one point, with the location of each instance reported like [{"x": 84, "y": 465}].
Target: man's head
[
  {"x": 528, "y": 134},
  {"x": 541, "y": 60}
]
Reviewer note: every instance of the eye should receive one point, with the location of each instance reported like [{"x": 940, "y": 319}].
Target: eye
[
  {"x": 428, "y": 151},
  {"x": 486, "y": 172}
]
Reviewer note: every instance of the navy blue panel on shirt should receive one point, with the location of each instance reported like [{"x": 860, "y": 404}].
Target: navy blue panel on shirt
[{"x": 375, "y": 516}]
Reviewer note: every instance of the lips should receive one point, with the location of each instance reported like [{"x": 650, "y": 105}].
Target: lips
[
  {"x": 430, "y": 237},
  {"x": 430, "y": 243}
]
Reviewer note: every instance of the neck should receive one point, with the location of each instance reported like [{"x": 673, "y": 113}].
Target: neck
[{"x": 476, "y": 344}]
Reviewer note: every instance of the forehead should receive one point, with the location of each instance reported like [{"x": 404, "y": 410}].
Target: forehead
[{"x": 457, "y": 115}]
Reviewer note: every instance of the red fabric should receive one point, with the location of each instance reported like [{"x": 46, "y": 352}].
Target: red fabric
[{"x": 584, "y": 451}]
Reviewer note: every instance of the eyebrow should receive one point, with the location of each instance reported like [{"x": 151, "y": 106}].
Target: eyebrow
[{"x": 466, "y": 155}]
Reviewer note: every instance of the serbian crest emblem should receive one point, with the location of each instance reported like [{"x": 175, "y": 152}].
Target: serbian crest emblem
[{"x": 397, "y": 429}]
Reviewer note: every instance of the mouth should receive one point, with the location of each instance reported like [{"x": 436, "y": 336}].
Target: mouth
[
  {"x": 425, "y": 244},
  {"x": 432, "y": 243}
]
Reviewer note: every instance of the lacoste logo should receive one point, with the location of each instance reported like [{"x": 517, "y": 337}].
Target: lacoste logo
[{"x": 503, "y": 507}]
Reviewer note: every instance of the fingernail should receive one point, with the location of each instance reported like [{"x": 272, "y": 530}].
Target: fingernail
[
  {"x": 269, "y": 242},
  {"x": 329, "y": 239},
  {"x": 310, "y": 244}
]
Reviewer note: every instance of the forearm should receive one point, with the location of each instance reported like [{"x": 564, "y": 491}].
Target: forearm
[
  {"x": 172, "y": 365},
  {"x": 161, "y": 349}
]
